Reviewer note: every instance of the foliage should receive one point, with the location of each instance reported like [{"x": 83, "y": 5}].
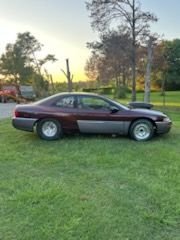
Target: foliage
[
  {"x": 20, "y": 64},
  {"x": 172, "y": 73},
  {"x": 112, "y": 57},
  {"x": 113, "y": 62},
  {"x": 92, "y": 66},
  {"x": 14, "y": 65},
  {"x": 60, "y": 87},
  {"x": 121, "y": 92},
  {"x": 166, "y": 64},
  {"x": 129, "y": 13},
  {"x": 101, "y": 90},
  {"x": 89, "y": 187}
]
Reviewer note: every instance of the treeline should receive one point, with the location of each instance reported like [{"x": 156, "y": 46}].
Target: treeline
[
  {"x": 110, "y": 62},
  {"x": 20, "y": 64},
  {"x": 128, "y": 53}
]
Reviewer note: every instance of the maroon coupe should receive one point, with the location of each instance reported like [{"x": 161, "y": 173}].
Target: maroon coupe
[{"x": 88, "y": 113}]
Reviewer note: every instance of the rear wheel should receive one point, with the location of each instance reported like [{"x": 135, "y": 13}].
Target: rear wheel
[
  {"x": 49, "y": 129},
  {"x": 142, "y": 130}
]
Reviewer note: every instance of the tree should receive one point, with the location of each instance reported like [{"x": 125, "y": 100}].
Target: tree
[
  {"x": 172, "y": 56},
  {"x": 110, "y": 57},
  {"x": 14, "y": 66},
  {"x": 92, "y": 67},
  {"x": 106, "y": 12},
  {"x": 20, "y": 64},
  {"x": 68, "y": 75},
  {"x": 48, "y": 58},
  {"x": 147, "y": 87}
]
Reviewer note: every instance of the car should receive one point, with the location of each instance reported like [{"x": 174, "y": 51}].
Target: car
[
  {"x": 89, "y": 113},
  {"x": 27, "y": 92},
  {"x": 8, "y": 92}
]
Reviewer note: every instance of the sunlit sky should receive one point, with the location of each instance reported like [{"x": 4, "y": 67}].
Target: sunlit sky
[{"x": 63, "y": 27}]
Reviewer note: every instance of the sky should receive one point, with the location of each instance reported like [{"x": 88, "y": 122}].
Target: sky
[{"x": 63, "y": 27}]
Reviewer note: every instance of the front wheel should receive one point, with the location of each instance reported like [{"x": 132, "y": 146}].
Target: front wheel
[
  {"x": 142, "y": 130},
  {"x": 49, "y": 129}
]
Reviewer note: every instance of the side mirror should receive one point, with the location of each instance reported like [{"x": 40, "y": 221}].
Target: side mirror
[{"x": 114, "y": 109}]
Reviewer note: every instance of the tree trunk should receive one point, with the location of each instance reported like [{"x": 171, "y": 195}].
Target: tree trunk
[
  {"x": 68, "y": 76},
  {"x": 134, "y": 55},
  {"x": 148, "y": 72},
  {"x": 52, "y": 84},
  {"x": 123, "y": 77},
  {"x": 134, "y": 75},
  {"x": 163, "y": 90}
]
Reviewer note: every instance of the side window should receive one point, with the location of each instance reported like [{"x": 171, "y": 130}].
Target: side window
[
  {"x": 66, "y": 102},
  {"x": 93, "y": 103}
]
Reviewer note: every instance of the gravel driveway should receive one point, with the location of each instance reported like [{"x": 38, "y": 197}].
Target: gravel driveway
[{"x": 6, "y": 109}]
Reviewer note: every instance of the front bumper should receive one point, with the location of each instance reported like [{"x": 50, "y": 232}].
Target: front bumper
[
  {"x": 25, "y": 124},
  {"x": 163, "y": 127}
]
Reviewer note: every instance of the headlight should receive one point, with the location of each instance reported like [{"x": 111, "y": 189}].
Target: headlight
[{"x": 166, "y": 119}]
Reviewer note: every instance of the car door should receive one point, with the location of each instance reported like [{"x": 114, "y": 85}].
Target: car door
[
  {"x": 94, "y": 115},
  {"x": 65, "y": 109}
]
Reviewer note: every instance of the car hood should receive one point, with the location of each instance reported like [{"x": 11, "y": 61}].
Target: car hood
[{"x": 147, "y": 111}]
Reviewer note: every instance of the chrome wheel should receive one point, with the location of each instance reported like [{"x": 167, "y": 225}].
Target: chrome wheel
[
  {"x": 49, "y": 129},
  {"x": 142, "y": 130}
]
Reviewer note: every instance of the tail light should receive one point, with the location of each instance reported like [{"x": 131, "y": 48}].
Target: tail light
[{"x": 16, "y": 113}]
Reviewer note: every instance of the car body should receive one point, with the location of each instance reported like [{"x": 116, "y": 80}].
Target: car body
[
  {"x": 8, "y": 92},
  {"x": 88, "y": 113},
  {"x": 27, "y": 92},
  {"x": 18, "y": 93}
]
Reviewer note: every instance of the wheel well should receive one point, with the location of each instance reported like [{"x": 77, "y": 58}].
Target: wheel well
[
  {"x": 35, "y": 124},
  {"x": 143, "y": 118}
]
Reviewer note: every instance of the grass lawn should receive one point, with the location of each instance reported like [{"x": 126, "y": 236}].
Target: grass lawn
[
  {"x": 172, "y": 98},
  {"x": 89, "y": 188}
]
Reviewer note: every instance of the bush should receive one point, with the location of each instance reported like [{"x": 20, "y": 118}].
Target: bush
[
  {"x": 106, "y": 90},
  {"x": 101, "y": 90},
  {"x": 121, "y": 92}
]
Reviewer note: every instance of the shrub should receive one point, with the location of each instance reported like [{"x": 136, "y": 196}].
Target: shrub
[
  {"x": 121, "y": 92},
  {"x": 101, "y": 90}
]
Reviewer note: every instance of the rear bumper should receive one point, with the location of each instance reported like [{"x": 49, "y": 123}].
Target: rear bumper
[
  {"x": 25, "y": 124},
  {"x": 163, "y": 127}
]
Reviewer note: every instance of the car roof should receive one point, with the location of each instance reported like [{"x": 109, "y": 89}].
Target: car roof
[
  {"x": 51, "y": 98},
  {"x": 78, "y": 93}
]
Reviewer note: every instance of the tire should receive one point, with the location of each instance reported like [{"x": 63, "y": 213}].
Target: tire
[
  {"x": 49, "y": 129},
  {"x": 142, "y": 130}
]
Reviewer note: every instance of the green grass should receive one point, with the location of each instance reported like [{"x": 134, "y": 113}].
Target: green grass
[
  {"x": 172, "y": 98},
  {"x": 89, "y": 188}
]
